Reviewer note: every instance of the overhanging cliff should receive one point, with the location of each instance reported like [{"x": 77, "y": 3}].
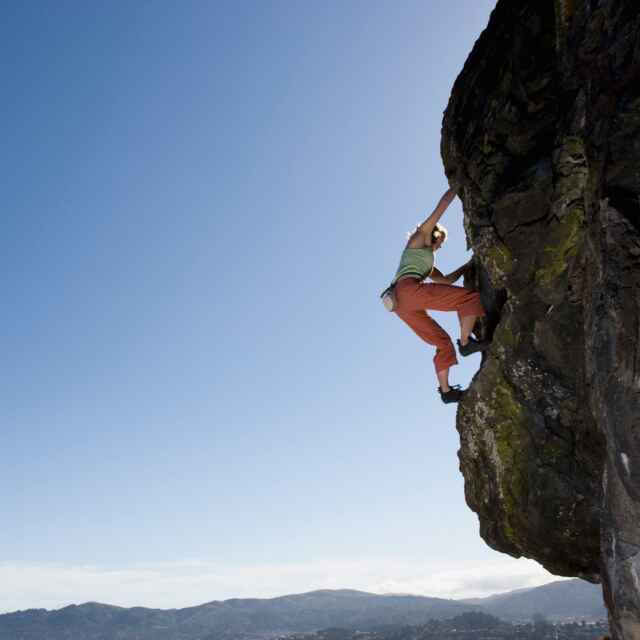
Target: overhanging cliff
[{"x": 543, "y": 132}]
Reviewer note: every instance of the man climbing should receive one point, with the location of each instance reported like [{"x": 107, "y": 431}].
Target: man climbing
[{"x": 413, "y": 298}]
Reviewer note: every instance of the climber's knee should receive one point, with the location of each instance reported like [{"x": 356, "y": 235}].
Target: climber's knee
[
  {"x": 471, "y": 306},
  {"x": 445, "y": 356}
]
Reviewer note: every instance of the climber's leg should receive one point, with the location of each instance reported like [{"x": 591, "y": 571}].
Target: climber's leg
[
  {"x": 466, "y": 327},
  {"x": 443, "y": 379},
  {"x": 413, "y": 295},
  {"x": 467, "y": 315},
  {"x": 432, "y": 333}
]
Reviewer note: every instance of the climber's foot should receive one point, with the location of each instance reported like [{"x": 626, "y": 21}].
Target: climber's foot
[
  {"x": 454, "y": 394},
  {"x": 472, "y": 346}
]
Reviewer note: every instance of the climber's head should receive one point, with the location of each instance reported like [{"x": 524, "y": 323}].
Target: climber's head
[{"x": 438, "y": 237}]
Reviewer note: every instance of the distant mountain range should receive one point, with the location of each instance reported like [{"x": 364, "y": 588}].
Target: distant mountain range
[
  {"x": 253, "y": 618},
  {"x": 558, "y": 601}
]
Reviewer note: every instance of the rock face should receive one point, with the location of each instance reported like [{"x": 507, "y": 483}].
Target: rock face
[{"x": 543, "y": 132}]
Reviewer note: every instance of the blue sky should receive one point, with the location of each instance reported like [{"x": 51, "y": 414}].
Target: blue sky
[{"x": 204, "y": 201}]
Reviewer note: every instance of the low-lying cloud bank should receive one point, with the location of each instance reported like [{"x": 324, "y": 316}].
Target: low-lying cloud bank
[{"x": 192, "y": 582}]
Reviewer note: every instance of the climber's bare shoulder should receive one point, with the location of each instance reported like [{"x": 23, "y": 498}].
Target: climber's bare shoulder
[{"x": 418, "y": 240}]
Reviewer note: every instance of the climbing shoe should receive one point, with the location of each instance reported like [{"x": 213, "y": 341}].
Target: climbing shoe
[
  {"x": 473, "y": 346},
  {"x": 454, "y": 394}
]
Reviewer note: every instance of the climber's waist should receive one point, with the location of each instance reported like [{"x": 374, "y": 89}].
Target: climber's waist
[{"x": 410, "y": 276}]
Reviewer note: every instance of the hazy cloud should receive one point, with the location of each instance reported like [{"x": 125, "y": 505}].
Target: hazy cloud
[{"x": 191, "y": 582}]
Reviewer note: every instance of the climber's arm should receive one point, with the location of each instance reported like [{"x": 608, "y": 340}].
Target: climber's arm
[
  {"x": 422, "y": 235},
  {"x": 439, "y": 278}
]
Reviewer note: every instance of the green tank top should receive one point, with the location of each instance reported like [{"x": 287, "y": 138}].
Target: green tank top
[{"x": 418, "y": 262}]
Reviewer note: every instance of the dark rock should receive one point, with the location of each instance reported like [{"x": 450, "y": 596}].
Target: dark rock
[{"x": 542, "y": 130}]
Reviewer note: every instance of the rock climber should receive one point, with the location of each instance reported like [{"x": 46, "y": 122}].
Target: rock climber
[{"x": 413, "y": 298}]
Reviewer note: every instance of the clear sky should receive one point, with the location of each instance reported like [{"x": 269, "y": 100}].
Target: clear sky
[{"x": 202, "y": 395}]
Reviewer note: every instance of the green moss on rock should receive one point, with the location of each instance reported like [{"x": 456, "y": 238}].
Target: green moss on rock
[
  {"x": 496, "y": 455},
  {"x": 509, "y": 431},
  {"x": 564, "y": 239},
  {"x": 505, "y": 337},
  {"x": 499, "y": 263},
  {"x": 574, "y": 146}
]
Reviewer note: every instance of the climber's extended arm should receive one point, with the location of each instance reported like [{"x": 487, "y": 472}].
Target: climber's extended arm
[{"x": 422, "y": 236}]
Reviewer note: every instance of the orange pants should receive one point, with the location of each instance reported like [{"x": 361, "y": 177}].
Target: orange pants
[{"x": 414, "y": 297}]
